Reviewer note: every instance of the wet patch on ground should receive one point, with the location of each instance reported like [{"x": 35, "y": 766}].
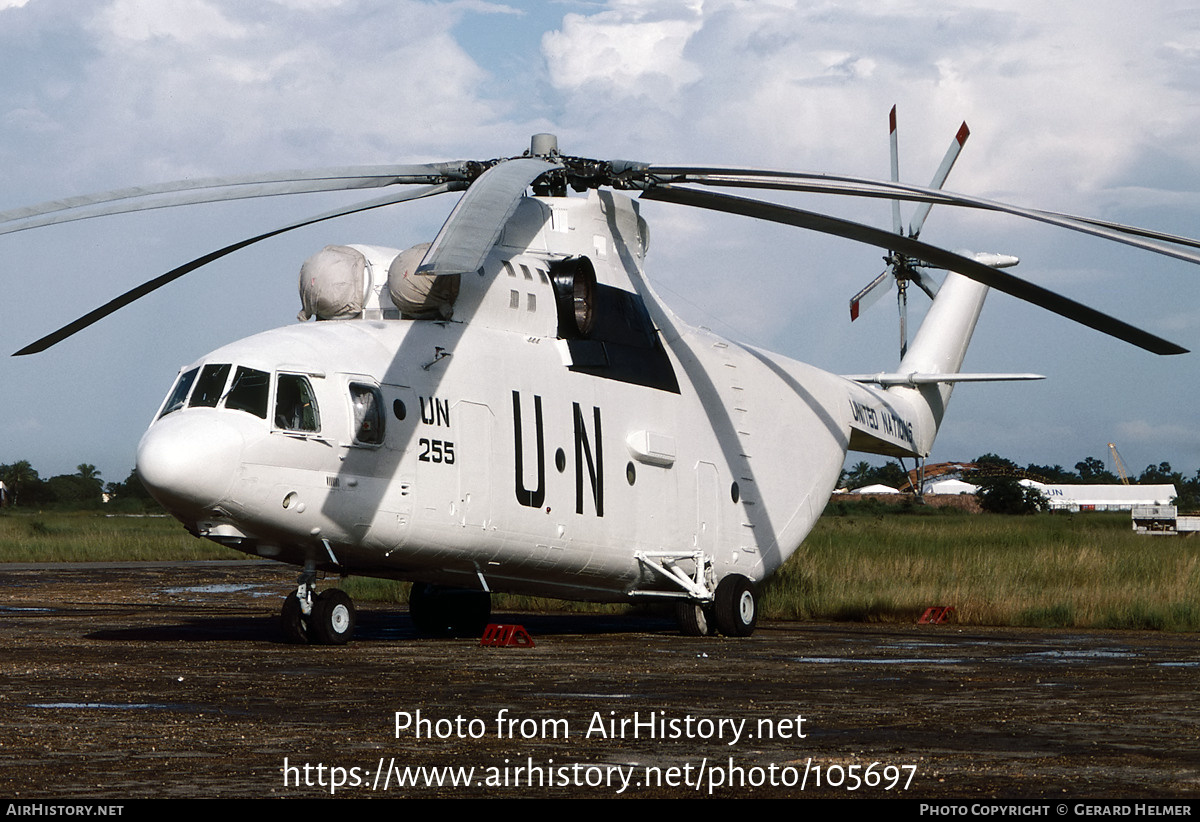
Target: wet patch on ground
[{"x": 172, "y": 680}]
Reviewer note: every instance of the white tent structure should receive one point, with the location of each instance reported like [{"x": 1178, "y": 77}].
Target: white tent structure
[
  {"x": 950, "y": 486},
  {"x": 875, "y": 489}
]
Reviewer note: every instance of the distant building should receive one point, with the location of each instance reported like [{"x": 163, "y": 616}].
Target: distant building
[
  {"x": 1076, "y": 497},
  {"x": 1104, "y": 497}
]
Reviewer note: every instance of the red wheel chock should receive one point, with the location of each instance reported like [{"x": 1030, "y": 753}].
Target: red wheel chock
[
  {"x": 506, "y": 636},
  {"x": 936, "y": 615}
]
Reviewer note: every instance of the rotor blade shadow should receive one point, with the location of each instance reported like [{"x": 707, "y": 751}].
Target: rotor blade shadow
[
  {"x": 716, "y": 407},
  {"x": 425, "y": 354}
]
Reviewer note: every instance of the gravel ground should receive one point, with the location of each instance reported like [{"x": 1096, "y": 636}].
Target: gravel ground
[{"x": 171, "y": 680}]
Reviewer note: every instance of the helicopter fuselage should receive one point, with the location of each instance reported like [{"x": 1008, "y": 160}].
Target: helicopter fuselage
[{"x": 499, "y": 453}]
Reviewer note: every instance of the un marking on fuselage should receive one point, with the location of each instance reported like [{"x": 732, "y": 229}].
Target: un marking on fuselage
[
  {"x": 435, "y": 412},
  {"x": 589, "y": 457}
]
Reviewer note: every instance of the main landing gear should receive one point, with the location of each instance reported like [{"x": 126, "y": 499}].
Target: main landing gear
[
  {"x": 733, "y": 611},
  {"x": 324, "y": 619},
  {"x": 449, "y": 612}
]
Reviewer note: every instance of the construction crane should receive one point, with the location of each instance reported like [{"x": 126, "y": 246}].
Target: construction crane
[{"x": 1119, "y": 463}]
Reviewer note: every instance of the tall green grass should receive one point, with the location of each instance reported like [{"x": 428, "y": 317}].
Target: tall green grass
[
  {"x": 1050, "y": 570},
  {"x": 87, "y": 536}
]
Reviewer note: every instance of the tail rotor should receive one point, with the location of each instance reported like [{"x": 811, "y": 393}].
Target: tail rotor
[{"x": 903, "y": 270}]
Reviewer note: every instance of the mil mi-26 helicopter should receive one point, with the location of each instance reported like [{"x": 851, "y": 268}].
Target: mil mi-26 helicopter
[{"x": 511, "y": 407}]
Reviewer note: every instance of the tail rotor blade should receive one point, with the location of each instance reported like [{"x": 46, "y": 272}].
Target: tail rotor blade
[
  {"x": 897, "y": 223},
  {"x": 924, "y": 281},
  {"x": 939, "y": 178},
  {"x": 871, "y": 294}
]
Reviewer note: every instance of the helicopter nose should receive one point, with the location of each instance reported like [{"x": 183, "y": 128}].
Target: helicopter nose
[{"x": 189, "y": 459}]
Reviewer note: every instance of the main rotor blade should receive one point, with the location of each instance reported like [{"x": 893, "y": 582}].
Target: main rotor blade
[
  {"x": 939, "y": 178},
  {"x": 863, "y": 187},
  {"x": 475, "y": 224},
  {"x": 217, "y": 189},
  {"x": 922, "y": 251},
  {"x": 175, "y": 273}
]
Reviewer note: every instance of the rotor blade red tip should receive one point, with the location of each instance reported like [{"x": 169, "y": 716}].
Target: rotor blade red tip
[
  {"x": 963, "y": 133},
  {"x": 853, "y": 310},
  {"x": 892, "y": 120}
]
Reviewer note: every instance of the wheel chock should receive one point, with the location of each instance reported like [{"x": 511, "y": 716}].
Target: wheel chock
[
  {"x": 936, "y": 615},
  {"x": 505, "y": 636}
]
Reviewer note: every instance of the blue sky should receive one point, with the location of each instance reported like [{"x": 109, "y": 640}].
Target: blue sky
[{"x": 1073, "y": 106}]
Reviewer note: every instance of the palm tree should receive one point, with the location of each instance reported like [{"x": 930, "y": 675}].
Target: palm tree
[{"x": 17, "y": 476}]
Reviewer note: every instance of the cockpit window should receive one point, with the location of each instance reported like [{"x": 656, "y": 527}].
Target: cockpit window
[
  {"x": 295, "y": 405},
  {"x": 179, "y": 392},
  {"x": 249, "y": 391},
  {"x": 210, "y": 386},
  {"x": 368, "y": 414}
]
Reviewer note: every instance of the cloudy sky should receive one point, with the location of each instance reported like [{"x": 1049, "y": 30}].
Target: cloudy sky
[{"x": 1083, "y": 107}]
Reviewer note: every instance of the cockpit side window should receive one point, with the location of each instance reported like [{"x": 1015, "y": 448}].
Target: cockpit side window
[
  {"x": 210, "y": 386},
  {"x": 179, "y": 392},
  {"x": 295, "y": 405},
  {"x": 249, "y": 391},
  {"x": 368, "y": 414}
]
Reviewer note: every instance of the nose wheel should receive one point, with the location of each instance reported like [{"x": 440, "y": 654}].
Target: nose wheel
[{"x": 324, "y": 619}]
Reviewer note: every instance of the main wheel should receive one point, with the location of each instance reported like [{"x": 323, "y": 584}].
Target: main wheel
[
  {"x": 291, "y": 620},
  {"x": 424, "y": 608},
  {"x": 693, "y": 619},
  {"x": 333, "y": 618},
  {"x": 736, "y": 608},
  {"x": 472, "y": 610},
  {"x": 449, "y": 612}
]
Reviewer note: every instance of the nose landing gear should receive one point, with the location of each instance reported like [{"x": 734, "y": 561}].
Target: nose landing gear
[{"x": 324, "y": 619}]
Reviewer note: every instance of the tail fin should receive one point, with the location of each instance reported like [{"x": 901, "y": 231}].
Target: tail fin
[{"x": 927, "y": 373}]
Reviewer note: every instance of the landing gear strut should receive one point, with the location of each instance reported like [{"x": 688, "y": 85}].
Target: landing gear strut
[{"x": 325, "y": 619}]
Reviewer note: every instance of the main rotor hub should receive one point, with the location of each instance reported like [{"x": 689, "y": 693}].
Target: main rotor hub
[{"x": 543, "y": 145}]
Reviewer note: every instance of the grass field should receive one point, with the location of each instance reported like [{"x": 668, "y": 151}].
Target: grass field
[
  {"x": 87, "y": 536},
  {"x": 1050, "y": 570}
]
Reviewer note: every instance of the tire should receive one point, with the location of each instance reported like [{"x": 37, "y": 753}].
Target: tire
[
  {"x": 736, "y": 607},
  {"x": 423, "y": 608},
  {"x": 333, "y": 618},
  {"x": 472, "y": 612},
  {"x": 448, "y": 612},
  {"x": 693, "y": 619},
  {"x": 291, "y": 620}
]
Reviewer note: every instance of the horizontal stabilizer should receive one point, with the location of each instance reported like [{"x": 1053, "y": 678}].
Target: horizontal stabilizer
[{"x": 914, "y": 379}]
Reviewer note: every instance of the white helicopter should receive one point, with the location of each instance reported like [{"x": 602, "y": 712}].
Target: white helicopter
[{"x": 512, "y": 407}]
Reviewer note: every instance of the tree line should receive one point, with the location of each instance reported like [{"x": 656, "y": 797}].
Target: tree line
[
  {"x": 25, "y": 488},
  {"x": 991, "y": 468}
]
